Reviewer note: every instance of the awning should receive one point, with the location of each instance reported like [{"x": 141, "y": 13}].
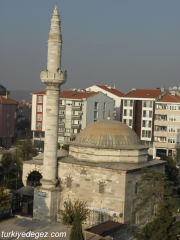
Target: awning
[
  {"x": 28, "y": 191},
  {"x": 106, "y": 228}
]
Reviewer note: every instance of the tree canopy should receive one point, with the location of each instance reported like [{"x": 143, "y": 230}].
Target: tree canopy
[
  {"x": 4, "y": 197},
  {"x": 72, "y": 209}
]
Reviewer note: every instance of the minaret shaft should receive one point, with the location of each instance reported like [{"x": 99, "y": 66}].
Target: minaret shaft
[{"x": 53, "y": 78}]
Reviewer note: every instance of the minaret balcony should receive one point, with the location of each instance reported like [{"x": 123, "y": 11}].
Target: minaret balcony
[{"x": 57, "y": 77}]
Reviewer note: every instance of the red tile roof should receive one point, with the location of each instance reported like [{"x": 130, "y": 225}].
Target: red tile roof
[
  {"x": 76, "y": 95},
  {"x": 169, "y": 98},
  {"x": 143, "y": 93},
  {"x": 71, "y": 94},
  {"x": 113, "y": 91},
  {"x": 7, "y": 101},
  {"x": 40, "y": 92}
]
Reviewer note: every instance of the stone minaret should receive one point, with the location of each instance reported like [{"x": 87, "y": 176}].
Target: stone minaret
[{"x": 53, "y": 78}]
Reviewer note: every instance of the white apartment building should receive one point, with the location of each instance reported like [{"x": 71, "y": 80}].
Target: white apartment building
[
  {"x": 76, "y": 111},
  {"x": 166, "y": 125},
  {"x": 112, "y": 93}
]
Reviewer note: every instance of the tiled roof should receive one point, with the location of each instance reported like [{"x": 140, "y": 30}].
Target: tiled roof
[
  {"x": 76, "y": 95},
  {"x": 169, "y": 98},
  {"x": 40, "y": 92},
  {"x": 7, "y": 101},
  {"x": 143, "y": 93},
  {"x": 71, "y": 94},
  {"x": 113, "y": 91}
]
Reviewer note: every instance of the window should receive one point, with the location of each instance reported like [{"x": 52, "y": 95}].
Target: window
[
  {"x": 39, "y": 99},
  {"x": 101, "y": 187},
  {"x": 130, "y": 123},
  {"x": 61, "y": 111},
  {"x": 125, "y": 103},
  {"x": 68, "y": 121},
  {"x": 104, "y": 115},
  {"x": 7, "y": 124},
  {"x": 95, "y": 114},
  {"x": 172, "y": 107},
  {"x": 146, "y": 134},
  {"x": 96, "y": 105},
  {"x": 61, "y": 130},
  {"x": 171, "y": 140},
  {"x": 7, "y": 106},
  {"x": 161, "y": 117},
  {"x": 68, "y": 182},
  {"x": 7, "y": 132},
  {"x": 38, "y": 126},
  {"x": 150, "y": 105},
  {"x": 160, "y": 139},
  {"x": 144, "y": 123},
  {"x": 149, "y": 125},
  {"x": 136, "y": 188},
  {"x": 39, "y": 108},
  {"x": 144, "y": 103},
  {"x": 144, "y": 113},
  {"x": 7, "y": 115},
  {"x": 124, "y": 121},
  {"x": 68, "y": 130},
  {"x": 104, "y": 107},
  {"x": 172, "y": 129},
  {"x": 130, "y": 113},
  {"x": 39, "y": 117},
  {"x": 125, "y": 112},
  {"x": 150, "y": 114},
  {"x": 172, "y": 118},
  {"x": 178, "y": 129}
]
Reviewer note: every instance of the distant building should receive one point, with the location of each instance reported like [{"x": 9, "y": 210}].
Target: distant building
[
  {"x": 166, "y": 125},
  {"x": 112, "y": 93},
  {"x": 138, "y": 112},
  {"x": 8, "y": 110},
  {"x": 76, "y": 111}
]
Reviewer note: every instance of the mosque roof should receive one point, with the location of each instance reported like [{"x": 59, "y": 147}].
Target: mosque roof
[{"x": 108, "y": 134}]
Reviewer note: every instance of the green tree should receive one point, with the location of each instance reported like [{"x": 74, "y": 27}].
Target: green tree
[
  {"x": 40, "y": 145},
  {"x": 26, "y": 149},
  {"x": 6, "y": 159},
  {"x": 76, "y": 230},
  {"x": 163, "y": 227},
  {"x": 4, "y": 197},
  {"x": 154, "y": 189},
  {"x": 66, "y": 147},
  {"x": 72, "y": 209}
]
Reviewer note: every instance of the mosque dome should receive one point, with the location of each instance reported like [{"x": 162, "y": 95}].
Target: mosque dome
[{"x": 108, "y": 134}]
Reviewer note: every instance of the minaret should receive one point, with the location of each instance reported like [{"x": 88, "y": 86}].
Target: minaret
[{"x": 53, "y": 78}]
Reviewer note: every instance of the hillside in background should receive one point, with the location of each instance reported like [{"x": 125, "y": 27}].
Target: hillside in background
[{"x": 17, "y": 95}]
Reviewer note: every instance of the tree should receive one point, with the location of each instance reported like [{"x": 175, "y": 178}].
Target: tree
[
  {"x": 66, "y": 147},
  {"x": 71, "y": 210},
  {"x": 162, "y": 227},
  {"x": 6, "y": 161},
  {"x": 153, "y": 190},
  {"x": 4, "y": 197},
  {"x": 26, "y": 149},
  {"x": 76, "y": 230}
]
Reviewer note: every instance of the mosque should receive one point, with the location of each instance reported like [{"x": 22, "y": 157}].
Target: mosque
[{"x": 102, "y": 167}]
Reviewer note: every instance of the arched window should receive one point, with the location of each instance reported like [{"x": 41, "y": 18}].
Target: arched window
[{"x": 34, "y": 179}]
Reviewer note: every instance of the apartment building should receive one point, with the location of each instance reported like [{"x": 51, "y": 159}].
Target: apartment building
[
  {"x": 166, "y": 125},
  {"x": 8, "y": 110},
  {"x": 138, "y": 112},
  {"x": 112, "y": 93},
  {"x": 77, "y": 109}
]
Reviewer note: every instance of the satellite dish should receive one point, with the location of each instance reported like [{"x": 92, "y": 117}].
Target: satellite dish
[
  {"x": 174, "y": 88},
  {"x": 170, "y": 88}
]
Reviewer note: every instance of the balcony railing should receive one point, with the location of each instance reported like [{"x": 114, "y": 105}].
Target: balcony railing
[
  {"x": 61, "y": 115},
  {"x": 77, "y": 126},
  {"x": 76, "y": 108},
  {"x": 62, "y": 107}
]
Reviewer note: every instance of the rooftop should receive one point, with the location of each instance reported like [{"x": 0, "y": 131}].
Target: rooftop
[
  {"x": 108, "y": 134},
  {"x": 6, "y": 101},
  {"x": 143, "y": 93},
  {"x": 169, "y": 98},
  {"x": 110, "y": 90}
]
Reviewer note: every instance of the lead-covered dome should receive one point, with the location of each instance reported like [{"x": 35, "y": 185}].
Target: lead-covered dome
[{"x": 108, "y": 134}]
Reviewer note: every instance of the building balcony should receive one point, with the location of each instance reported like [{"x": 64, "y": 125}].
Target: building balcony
[
  {"x": 77, "y": 108},
  {"x": 77, "y": 126},
  {"x": 76, "y": 117},
  {"x": 62, "y": 107},
  {"x": 74, "y": 134},
  {"x": 161, "y": 122},
  {"x": 161, "y": 111},
  {"x": 160, "y": 134},
  {"x": 61, "y": 125},
  {"x": 61, "y": 115},
  {"x": 61, "y": 134}
]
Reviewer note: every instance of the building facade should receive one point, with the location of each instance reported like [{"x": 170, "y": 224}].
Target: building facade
[
  {"x": 112, "y": 93},
  {"x": 8, "y": 114},
  {"x": 166, "y": 125},
  {"x": 76, "y": 111},
  {"x": 138, "y": 112}
]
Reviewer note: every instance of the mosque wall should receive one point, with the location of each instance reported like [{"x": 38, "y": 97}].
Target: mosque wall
[
  {"x": 87, "y": 184},
  {"x": 28, "y": 168}
]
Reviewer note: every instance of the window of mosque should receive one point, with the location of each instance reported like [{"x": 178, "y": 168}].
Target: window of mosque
[
  {"x": 101, "y": 187},
  {"x": 69, "y": 182}
]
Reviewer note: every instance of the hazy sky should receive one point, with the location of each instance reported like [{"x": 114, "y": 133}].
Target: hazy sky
[{"x": 129, "y": 43}]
